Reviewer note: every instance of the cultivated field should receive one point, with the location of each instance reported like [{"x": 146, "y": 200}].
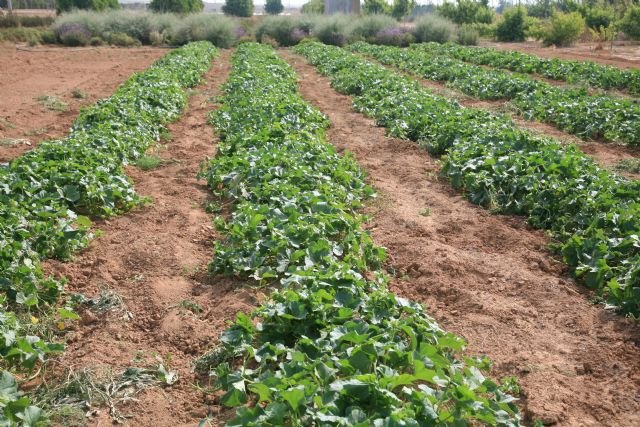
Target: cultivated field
[{"x": 317, "y": 235}]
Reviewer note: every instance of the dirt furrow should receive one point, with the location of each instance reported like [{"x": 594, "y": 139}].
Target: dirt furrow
[
  {"x": 490, "y": 279},
  {"x": 155, "y": 258},
  {"x": 605, "y": 153}
]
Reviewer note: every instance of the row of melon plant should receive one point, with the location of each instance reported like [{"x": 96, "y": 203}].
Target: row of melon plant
[
  {"x": 593, "y": 213},
  {"x": 48, "y": 194},
  {"x": 575, "y": 72},
  {"x": 331, "y": 346},
  {"x": 573, "y": 110}
]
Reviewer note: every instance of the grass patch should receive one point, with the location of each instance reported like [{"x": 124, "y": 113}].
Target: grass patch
[
  {"x": 52, "y": 103},
  {"x": 80, "y": 391},
  {"x": 36, "y": 132},
  {"x": 149, "y": 162},
  {"x": 6, "y": 123},
  {"x": 192, "y": 306},
  {"x": 10, "y": 142},
  {"x": 425, "y": 212},
  {"x": 628, "y": 165},
  {"x": 79, "y": 94}
]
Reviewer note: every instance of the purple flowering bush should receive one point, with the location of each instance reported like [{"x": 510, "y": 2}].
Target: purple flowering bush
[
  {"x": 395, "y": 36},
  {"x": 73, "y": 34}
]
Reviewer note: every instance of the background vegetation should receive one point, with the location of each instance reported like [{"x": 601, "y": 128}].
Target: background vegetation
[{"x": 398, "y": 22}]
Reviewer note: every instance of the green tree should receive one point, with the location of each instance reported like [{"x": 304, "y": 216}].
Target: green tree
[
  {"x": 376, "y": 7},
  {"x": 99, "y": 5},
  {"x": 273, "y": 7},
  {"x": 242, "y": 8},
  {"x": 176, "y": 6},
  {"x": 313, "y": 6},
  {"x": 512, "y": 26},
  {"x": 467, "y": 11},
  {"x": 402, "y": 8},
  {"x": 631, "y": 22}
]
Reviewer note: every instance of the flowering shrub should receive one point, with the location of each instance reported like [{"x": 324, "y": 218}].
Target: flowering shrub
[
  {"x": 73, "y": 34},
  {"x": 395, "y": 36}
]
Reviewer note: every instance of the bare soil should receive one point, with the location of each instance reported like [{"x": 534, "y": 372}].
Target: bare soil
[
  {"x": 490, "y": 279},
  {"x": 28, "y": 73},
  {"x": 623, "y": 55},
  {"x": 156, "y": 259}
]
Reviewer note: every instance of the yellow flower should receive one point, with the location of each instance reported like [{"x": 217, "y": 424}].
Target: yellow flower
[
  {"x": 34, "y": 320},
  {"x": 61, "y": 326}
]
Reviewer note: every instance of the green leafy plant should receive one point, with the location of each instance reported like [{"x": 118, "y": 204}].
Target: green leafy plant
[
  {"x": 572, "y": 110},
  {"x": 593, "y": 213},
  {"x": 332, "y": 345},
  {"x": 575, "y": 72},
  {"x": 47, "y": 194},
  {"x": 148, "y": 162}
]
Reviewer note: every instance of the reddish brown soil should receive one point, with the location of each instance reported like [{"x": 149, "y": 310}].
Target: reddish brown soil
[
  {"x": 27, "y": 74},
  {"x": 490, "y": 279},
  {"x": 156, "y": 258},
  {"x": 624, "y": 55},
  {"x": 605, "y": 153}
]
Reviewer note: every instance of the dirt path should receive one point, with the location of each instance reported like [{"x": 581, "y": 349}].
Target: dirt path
[
  {"x": 77, "y": 77},
  {"x": 156, "y": 259},
  {"x": 489, "y": 279},
  {"x": 605, "y": 153}
]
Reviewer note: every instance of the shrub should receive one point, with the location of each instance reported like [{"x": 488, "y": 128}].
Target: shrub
[
  {"x": 565, "y": 29},
  {"x": 92, "y": 21},
  {"x": 467, "y": 35},
  {"x": 96, "y": 41},
  {"x": 536, "y": 28},
  {"x": 136, "y": 25},
  {"x": 73, "y": 34},
  {"x": 630, "y": 24},
  {"x": 285, "y": 30},
  {"x": 32, "y": 36},
  {"x": 433, "y": 28},
  {"x": 512, "y": 26},
  {"x": 367, "y": 27},
  {"x": 217, "y": 29},
  {"x": 48, "y": 36},
  {"x": 122, "y": 39},
  {"x": 484, "y": 30},
  {"x": 13, "y": 21},
  {"x": 395, "y": 36},
  {"x": 332, "y": 30}
]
